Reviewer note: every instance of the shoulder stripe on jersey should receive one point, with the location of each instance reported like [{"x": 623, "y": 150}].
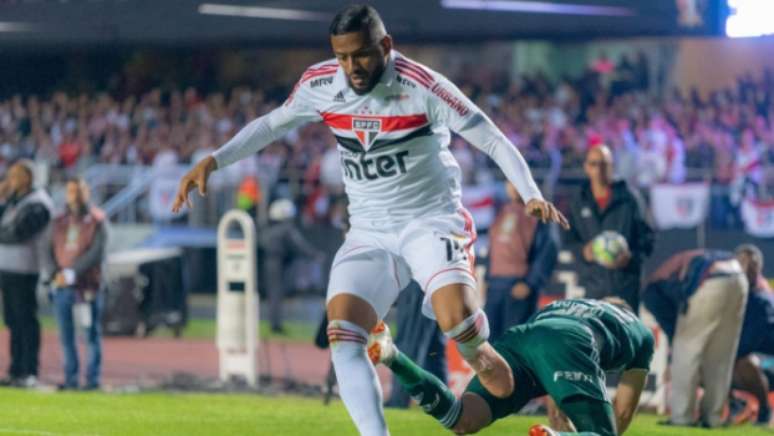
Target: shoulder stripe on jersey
[
  {"x": 311, "y": 73},
  {"x": 319, "y": 70},
  {"x": 412, "y": 75},
  {"x": 333, "y": 64},
  {"x": 308, "y": 76},
  {"x": 388, "y": 123},
  {"x": 322, "y": 69},
  {"x": 416, "y": 67}
]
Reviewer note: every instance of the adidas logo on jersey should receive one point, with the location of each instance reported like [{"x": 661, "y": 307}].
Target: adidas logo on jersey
[{"x": 339, "y": 98}]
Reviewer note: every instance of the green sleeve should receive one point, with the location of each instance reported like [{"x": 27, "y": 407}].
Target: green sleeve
[{"x": 644, "y": 354}]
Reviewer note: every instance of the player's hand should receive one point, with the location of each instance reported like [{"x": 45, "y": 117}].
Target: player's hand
[
  {"x": 195, "y": 178},
  {"x": 59, "y": 280},
  {"x": 546, "y": 212},
  {"x": 520, "y": 291},
  {"x": 588, "y": 252}
]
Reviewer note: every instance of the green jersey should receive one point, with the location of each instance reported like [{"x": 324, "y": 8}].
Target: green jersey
[
  {"x": 625, "y": 342},
  {"x": 564, "y": 351}
]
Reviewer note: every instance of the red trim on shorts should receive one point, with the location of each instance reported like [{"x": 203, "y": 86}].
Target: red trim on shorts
[
  {"x": 446, "y": 270},
  {"x": 470, "y": 229},
  {"x": 346, "y": 253}
]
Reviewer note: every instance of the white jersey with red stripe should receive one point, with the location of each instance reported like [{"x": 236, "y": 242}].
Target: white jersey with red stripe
[{"x": 393, "y": 141}]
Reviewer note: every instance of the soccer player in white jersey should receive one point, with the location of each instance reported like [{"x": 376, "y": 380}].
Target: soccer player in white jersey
[{"x": 392, "y": 119}]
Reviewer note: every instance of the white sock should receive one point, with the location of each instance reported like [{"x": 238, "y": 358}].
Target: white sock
[{"x": 358, "y": 383}]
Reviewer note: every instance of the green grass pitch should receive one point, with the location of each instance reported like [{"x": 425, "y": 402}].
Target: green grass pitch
[{"x": 91, "y": 414}]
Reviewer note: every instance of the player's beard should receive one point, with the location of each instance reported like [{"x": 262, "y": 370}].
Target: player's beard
[{"x": 373, "y": 79}]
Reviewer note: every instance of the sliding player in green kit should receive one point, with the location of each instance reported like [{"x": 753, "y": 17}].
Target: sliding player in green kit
[{"x": 563, "y": 351}]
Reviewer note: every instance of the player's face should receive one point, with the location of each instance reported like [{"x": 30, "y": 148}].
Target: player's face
[{"x": 363, "y": 60}]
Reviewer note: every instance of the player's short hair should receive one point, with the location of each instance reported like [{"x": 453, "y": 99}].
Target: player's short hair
[
  {"x": 358, "y": 18},
  {"x": 751, "y": 250}
]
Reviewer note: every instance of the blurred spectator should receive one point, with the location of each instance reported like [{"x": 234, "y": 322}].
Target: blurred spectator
[
  {"x": 282, "y": 241},
  {"x": 605, "y": 204},
  {"x": 522, "y": 256},
  {"x": 756, "y": 329},
  {"x": 25, "y": 213},
  {"x": 698, "y": 298},
  {"x": 655, "y": 136},
  {"x": 78, "y": 241}
]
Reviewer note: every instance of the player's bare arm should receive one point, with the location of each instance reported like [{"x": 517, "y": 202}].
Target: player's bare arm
[
  {"x": 627, "y": 397},
  {"x": 475, "y": 414}
]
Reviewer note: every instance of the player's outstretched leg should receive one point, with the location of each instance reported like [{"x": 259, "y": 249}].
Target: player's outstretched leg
[
  {"x": 350, "y": 320},
  {"x": 427, "y": 390},
  {"x": 459, "y": 316}
]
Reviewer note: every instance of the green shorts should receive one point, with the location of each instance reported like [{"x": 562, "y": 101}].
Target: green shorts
[{"x": 558, "y": 357}]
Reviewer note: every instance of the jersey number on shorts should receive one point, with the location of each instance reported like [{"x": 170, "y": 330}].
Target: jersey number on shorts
[{"x": 454, "y": 250}]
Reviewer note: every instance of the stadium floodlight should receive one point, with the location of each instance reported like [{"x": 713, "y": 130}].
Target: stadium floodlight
[
  {"x": 537, "y": 7},
  {"x": 750, "y": 18},
  {"x": 262, "y": 12},
  {"x": 10, "y": 26}
]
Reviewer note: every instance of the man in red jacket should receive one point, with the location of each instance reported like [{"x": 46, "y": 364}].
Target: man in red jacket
[
  {"x": 78, "y": 245},
  {"x": 522, "y": 256}
]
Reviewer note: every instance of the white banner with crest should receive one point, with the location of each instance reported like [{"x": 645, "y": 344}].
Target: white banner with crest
[{"x": 679, "y": 206}]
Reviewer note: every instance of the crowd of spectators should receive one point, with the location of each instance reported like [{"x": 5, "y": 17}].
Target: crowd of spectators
[{"x": 726, "y": 138}]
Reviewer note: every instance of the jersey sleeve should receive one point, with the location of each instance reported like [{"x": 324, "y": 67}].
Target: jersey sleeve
[
  {"x": 450, "y": 107},
  {"x": 644, "y": 354},
  {"x": 297, "y": 110}
]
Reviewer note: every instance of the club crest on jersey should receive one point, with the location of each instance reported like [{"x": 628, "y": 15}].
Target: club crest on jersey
[{"x": 366, "y": 130}]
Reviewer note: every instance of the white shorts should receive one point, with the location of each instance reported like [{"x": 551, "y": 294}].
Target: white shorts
[{"x": 435, "y": 251}]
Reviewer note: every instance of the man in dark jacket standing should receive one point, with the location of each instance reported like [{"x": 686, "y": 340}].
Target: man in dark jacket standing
[
  {"x": 78, "y": 242},
  {"x": 25, "y": 213},
  {"x": 280, "y": 241},
  {"x": 604, "y": 204},
  {"x": 522, "y": 256}
]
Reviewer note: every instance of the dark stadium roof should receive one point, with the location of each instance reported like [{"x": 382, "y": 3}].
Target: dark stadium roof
[{"x": 304, "y": 22}]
